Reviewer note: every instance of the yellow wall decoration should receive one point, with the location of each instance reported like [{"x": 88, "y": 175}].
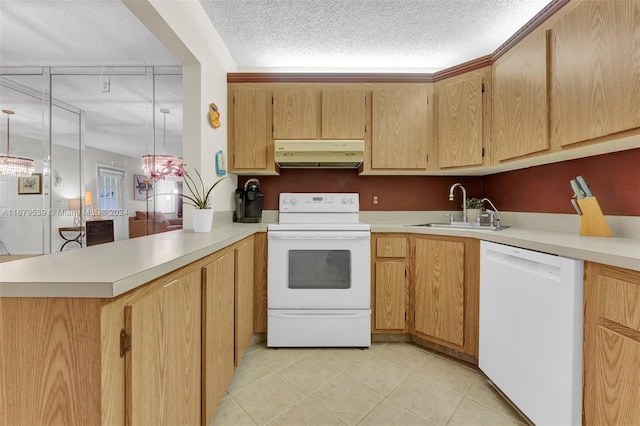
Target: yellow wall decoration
[{"x": 214, "y": 115}]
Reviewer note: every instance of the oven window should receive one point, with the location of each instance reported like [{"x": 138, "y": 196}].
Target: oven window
[{"x": 322, "y": 269}]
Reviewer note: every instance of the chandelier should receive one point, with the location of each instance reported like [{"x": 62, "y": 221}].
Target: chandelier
[
  {"x": 162, "y": 165},
  {"x": 14, "y": 166}
]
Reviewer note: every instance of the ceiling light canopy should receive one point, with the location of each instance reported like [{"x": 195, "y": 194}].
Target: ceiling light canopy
[{"x": 11, "y": 165}]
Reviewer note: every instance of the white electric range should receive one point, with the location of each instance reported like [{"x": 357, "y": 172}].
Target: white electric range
[{"x": 319, "y": 273}]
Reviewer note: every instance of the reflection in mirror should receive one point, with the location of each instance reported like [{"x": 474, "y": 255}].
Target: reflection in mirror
[
  {"x": 98, "y": 135},
  {"x": 67, "y": 195},
  {"x": 22, "y": 214}
]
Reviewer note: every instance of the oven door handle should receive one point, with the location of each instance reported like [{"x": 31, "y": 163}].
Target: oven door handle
[
  {"x": 337, "y": 314},
  {"x": 319, "y": 235}
]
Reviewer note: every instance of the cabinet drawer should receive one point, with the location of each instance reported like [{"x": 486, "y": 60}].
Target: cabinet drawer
[
  {"x": 391, "y": 247},
  {"x": 618, "y": 292}
]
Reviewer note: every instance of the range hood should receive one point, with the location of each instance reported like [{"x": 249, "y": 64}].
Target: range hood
[{"x": 336, "y": 154}]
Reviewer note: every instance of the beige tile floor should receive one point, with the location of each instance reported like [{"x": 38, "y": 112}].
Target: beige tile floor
[{"x": 387, "y": 384}]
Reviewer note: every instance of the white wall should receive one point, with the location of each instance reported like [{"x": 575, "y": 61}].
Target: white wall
[
  {"x": 22, "y": 217},
  {"x": 185, "y": 29}
]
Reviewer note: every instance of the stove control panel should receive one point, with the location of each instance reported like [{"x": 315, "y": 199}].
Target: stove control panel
[{"x": 291, "y": 202}]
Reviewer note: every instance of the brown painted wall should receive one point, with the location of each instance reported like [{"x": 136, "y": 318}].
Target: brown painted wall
[{"x": 614, "y": 179}]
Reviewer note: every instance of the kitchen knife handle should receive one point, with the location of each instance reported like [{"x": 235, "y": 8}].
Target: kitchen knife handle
[
  {"x": 583, "y": 185},
  {"x": 576, "y": 206},
  {"x": 576, "y": 189}
]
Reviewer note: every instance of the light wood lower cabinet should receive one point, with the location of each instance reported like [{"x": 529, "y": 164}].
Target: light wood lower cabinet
[
  {"x": 162, "y": 381},
  {"x": 244, "y": 297},
  {"x": 427, "y": 286},
  {"x": 389, "y": 280},
  {"x": 50, "y": 369},
  {"x": 611, "y": 346},
  {"x": 439, "y": 289},
  {"x": 260, "y": 283},
  {"x": 160, "y": 354},
  {"x": 218, "y": 336},
  {"x": 445, "y": 282}
]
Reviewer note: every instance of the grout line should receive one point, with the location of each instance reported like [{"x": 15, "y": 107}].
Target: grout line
[
  {"x": 370, "y": 411},
  {"x": 243, "y": 410}
]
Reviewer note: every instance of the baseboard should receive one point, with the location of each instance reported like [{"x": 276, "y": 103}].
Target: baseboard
[
  {"x": 390, "y": 337},
  {"x": 445, "y": 350},
  {"x": 258, "y": 338}
]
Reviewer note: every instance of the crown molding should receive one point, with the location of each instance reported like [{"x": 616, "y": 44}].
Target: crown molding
[{"x": 475, "y": 64}]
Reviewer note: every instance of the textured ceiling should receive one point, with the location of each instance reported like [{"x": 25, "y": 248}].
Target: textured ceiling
[
  {"x": 76, "y": 32},
  {"x": 365, "y": 35}
]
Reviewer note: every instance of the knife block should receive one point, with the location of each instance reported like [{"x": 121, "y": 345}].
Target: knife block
[{"x": 593, "y": 222}]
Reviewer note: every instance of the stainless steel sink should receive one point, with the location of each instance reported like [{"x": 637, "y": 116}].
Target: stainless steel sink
[{"x": 463, "y": 225}]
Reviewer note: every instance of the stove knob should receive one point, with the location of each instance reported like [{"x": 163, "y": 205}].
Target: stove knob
[
  {"x": 285, "y": 200},
  {"x": 293, "y": 201},
  {"x": 352, "y": 201},
  {"x": 345, "y": 200}
]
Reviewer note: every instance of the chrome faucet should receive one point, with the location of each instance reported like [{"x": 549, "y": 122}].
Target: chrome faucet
[
  {"x": 464, "y": 199},
  {"x": 495, "y": 214}
]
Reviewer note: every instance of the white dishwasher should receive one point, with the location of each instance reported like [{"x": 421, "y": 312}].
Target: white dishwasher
[{"x": 531, "y": 331}]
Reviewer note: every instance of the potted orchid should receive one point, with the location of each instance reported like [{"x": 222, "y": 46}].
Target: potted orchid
[{"x": 199, "y": 196}]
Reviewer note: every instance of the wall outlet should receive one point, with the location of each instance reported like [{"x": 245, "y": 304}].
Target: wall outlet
[
  {"x": 375, "y": 200},
  {"x": 106, "y": 85}
]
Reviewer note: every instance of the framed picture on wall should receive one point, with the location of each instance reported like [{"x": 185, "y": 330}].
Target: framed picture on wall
[
  {"x": 30, "y": 184},
  {"x": 141, "y": 188}
]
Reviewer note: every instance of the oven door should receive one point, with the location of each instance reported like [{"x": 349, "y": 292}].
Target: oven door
[{"x": 319, "y": 269}]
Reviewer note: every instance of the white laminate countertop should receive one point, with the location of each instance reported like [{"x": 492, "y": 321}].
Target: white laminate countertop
[
  {"x": 109, "y": 270},
  {"x": 616, "y": 251}
]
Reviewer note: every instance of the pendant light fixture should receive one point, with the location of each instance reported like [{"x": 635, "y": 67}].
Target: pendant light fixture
[
  {"x": 14, "y": 166},
  {"x": 162, "y": 165}
]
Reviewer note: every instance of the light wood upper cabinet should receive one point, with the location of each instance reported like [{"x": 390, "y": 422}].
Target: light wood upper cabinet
[
  {"x": 460, "y": 119},
  {"x": 163, "y": 365},
  {"x": 296, "y": 113},
  {"x": 315, "y": 113},
  {"x": 520, "y": 99},
  {"x": 445, "y": 286},
  {"x": 218, "y": 337},
  {"x": 595, "y": 71},
  {"x": 389, "y": 292},
  {"x": 250, "y": 135},
  {"x": 343, "y": 113},
  {"x": 401, "y": 128},
  {"x": 244, "y": 297}
]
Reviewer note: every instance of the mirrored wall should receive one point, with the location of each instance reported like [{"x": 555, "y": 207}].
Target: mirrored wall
[{"x": 87, "y": 130}]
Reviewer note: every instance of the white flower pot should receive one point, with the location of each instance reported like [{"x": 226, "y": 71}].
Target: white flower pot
[
  {"x": 202, "y": 220},
  {"x": 472, "y": 214}
]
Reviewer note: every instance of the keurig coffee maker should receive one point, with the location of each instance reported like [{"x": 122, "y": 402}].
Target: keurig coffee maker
[{"x": 248, "y": 203}]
